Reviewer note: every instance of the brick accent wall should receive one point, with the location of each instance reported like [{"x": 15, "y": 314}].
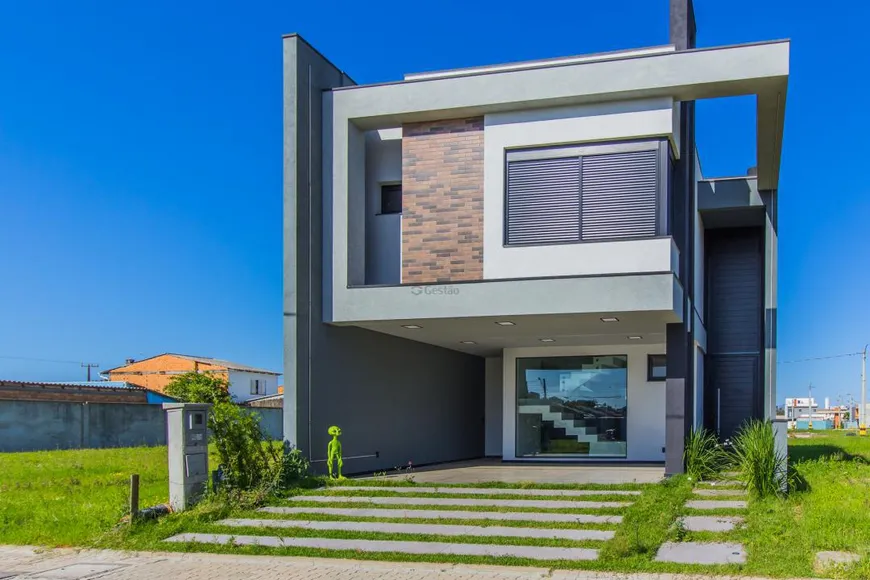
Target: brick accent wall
[{"x": 442, "y": 201}]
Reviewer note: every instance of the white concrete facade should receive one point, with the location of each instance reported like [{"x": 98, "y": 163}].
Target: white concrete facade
[
  {"x": 241, "y": 385},
  {"x": 599, "y": 123},
  {"x": 646, "y": 401}
]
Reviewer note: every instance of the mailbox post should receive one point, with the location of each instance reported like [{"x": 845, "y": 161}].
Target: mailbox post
[{"x": 187, "y": 440}]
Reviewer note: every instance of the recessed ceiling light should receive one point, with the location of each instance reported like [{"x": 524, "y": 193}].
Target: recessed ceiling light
[
  {"x": 411, "y": 326},
  {"x": 547, "y": 339},
  {"x": 609, "y": 319},
  {"x": 635, "y": 337},
  {"x": 505, "y": 323},
  {"x": 467, "y": 342}
]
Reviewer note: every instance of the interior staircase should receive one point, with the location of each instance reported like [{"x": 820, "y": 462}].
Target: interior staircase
[{"x": 574, "y": 428}]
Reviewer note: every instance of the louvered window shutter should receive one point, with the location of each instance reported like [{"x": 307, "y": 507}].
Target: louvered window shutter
[
  {"x": 618, "y": 195},
  {"x": 590, "y": 196},
  {"x": 543, "y": 201}
]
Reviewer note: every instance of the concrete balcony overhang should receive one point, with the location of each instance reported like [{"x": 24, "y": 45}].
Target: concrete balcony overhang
[
  {"x": 761, "y": 69},
  {"x": 597, "y": 295},
  {"x": 488, "y": 336}
]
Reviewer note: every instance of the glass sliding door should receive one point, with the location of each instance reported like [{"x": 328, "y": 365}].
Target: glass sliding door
[{"x": 572, "y": 405}]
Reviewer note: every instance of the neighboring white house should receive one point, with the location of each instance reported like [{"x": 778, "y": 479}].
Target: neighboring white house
[{"x": 154, "y": 373}]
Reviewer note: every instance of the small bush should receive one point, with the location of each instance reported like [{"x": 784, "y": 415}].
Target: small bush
[
  {"x": 247, "y": 461},
  {"x": 760, "y": 467},
  {"x": 704, "y": 457},
  {"x": 294, "y": 467}
]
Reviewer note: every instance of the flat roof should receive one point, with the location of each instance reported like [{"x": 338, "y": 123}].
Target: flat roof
[{"x": 538, "y": 63}]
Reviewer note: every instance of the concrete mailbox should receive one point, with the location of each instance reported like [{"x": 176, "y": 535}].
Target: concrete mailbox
[{"x": 187, "y": 440}]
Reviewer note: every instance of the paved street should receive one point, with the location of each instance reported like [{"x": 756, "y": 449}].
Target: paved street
[{"x": 22, "y": 562}]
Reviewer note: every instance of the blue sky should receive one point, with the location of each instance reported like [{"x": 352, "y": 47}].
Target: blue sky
[{"x": 140, "y": 161}]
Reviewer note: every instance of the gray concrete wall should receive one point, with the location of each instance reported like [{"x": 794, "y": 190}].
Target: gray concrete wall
[
  {"x": 271, "y": 422},
  {"x": 47, "y": 425},
  {"x": 494, "y": 405},
  {"x": 400, "y": 399},
  {"x": 43, "y": 425},
  {"x": 403, "y": 400}
]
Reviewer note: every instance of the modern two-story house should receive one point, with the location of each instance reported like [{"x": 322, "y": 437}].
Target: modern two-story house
[{"x": 525, "y": 260}]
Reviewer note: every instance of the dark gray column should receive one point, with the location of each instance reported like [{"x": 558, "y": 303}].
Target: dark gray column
[
  {"x": 680, "y": 384},
  {"x": 683, "y": 30},
  {"x": 677, "y": 391},
  {"x": 306, "y": 75}
]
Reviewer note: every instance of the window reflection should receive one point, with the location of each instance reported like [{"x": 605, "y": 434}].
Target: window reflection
[{"x": 572, "y": 405}]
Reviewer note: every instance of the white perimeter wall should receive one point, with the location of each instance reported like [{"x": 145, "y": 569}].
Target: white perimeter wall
[
  {"x": 383, "y": 232},
  {"x": 240, "y": 385},
  {"x": 562, "y": 126},
  {"x": 646, "y": 399}
]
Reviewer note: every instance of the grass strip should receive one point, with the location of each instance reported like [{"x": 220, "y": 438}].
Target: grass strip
[{"x": 646, "y": 523}]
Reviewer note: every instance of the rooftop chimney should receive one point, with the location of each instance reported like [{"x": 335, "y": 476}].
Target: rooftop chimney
[{"x": 683, "y": 29}]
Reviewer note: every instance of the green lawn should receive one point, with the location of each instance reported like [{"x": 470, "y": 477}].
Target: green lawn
[
  {"x": 71, "y": 498},
  {"x": 63, "y": 498}
]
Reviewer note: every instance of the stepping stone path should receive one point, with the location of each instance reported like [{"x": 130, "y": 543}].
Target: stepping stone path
[
  {"x": 712, "y": 504},
  {"x": 486, "y": 491},
  {"x": 825, "y": 561},
  {"x": 701, "y": 553},
  {"x": 433, "y": 529},
  {"x": 450, "y": 501},
  {"x": 447, "y": 515},
  {"x": 711, "y": 523},
  {"x": 719, "y": 492},
  {"x": 708, "y": 552},
  {"x": 531, "y": 552},
  {"x": 334, "y": 517}
]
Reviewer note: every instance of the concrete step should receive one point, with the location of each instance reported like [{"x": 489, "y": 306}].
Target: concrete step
[
  {"x": 431, "y": 529},
  {"x": 447, "y": 515},
  {"x": 711, "y": 504},
  {"x": 450, "y": 501},
  {"x": 709, "y": 553},
  {"x": 439, "y": 548},
  {"x": 711, "y": 523},
  {"x": 485, "y": 491},
  {"x": 718, "y": 492}
]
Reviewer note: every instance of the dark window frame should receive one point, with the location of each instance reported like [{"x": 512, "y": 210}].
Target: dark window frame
[
  {"x": 388, "y": 189},
  {"x": 663, "y": 182},
  {"x": 649, "y": 367}
]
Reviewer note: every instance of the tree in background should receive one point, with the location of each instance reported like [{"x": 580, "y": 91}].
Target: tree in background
[{"x": 199, "y": 388}]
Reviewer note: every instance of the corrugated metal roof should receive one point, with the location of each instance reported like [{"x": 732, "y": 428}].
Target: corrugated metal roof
[
  {"x": 102, "y": 384},
  {"x": 93, "y": 384}
]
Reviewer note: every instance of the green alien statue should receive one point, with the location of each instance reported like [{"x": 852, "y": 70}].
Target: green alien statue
[{"x": 333, "y": 452}]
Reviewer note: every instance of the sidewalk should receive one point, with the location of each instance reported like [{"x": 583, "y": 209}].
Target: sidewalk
[{"x": 19, "y": 562}]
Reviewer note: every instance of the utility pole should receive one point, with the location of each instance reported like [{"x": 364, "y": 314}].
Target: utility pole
[
  {"x": 89, "y": 367},
  {"x": 862, "y": 425},
  {"x": 810, "y": 405}
]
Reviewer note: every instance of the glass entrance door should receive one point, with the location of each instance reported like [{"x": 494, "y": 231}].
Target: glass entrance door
[{"x": 572, "y": 405}]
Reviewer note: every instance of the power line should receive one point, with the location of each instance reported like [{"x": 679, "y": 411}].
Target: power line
[
  {"x": 800, "y": 360},
  {"x": 71, "y": 362}
]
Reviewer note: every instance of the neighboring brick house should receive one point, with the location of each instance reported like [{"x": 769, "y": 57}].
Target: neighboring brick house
[
  {"x": 525, "y": 260},
  {"x": 154, "y": 373}
]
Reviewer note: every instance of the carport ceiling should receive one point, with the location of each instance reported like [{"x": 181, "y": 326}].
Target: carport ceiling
[{"x": 490, "y": 338}]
